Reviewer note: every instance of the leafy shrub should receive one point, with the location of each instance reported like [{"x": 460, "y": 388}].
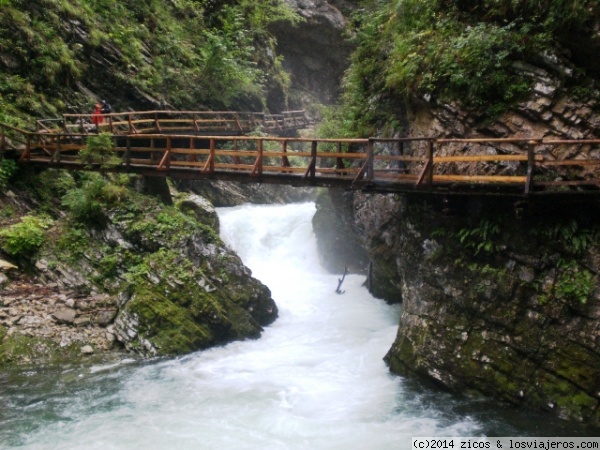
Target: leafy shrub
[
  {"x": 99, "y": 150},
  {"x": 25, "y": 237},
  {"x": 574, "y": 284},
  {"x": 482, "y": 237},
  {"x": 7, "y": 169},
  {"x": 89, "y": 203}
]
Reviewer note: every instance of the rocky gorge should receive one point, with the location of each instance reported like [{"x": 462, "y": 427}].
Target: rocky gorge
[{"x": 499, "y": 295}]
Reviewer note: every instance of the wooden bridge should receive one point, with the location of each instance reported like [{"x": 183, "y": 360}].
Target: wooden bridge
[
  {"x": 173, "y": 145},
  {"x": 197, "y": 122}
]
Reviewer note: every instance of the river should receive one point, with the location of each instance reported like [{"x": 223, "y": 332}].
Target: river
[{"x": 314, "y": 380}]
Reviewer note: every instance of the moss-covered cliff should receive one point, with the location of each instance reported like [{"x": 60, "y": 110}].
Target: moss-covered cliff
[
  {"x": 498, "y": 299},
  {"x": 63, "y": 56},
  {"x": 117, "y": 265}
]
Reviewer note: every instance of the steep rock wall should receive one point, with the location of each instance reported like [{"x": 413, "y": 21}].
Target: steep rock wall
[
  {"x": 497, "y": 301},
  {"x": 500, "y": 297},
  {"x": 315, "y": 51}
]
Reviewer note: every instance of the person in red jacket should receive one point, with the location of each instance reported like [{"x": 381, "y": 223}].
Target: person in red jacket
[{"x": 97, "y": 118}]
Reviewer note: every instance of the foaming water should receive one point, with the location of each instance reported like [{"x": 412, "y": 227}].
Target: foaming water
[{"x": 315, "y": 379}]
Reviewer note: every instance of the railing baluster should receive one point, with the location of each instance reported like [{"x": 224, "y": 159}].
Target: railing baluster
[
  {"x": 370, "y": 161},
  {"x": 530, "y": 166},
  {"x": 213, "y": 148},
  {"x": 127, "y": 153},
  {"x": 285, "y": 162}
]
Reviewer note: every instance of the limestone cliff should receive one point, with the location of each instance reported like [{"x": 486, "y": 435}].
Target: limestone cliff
[
  {"x": 496, "y": 300},
  {"x": 316, "y": 51}
]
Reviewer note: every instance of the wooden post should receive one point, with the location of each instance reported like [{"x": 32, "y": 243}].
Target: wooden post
[
  {"x": 260, "y": 158},
  {"x": 313, "y": 159},
  {"x": 285, "y": 162},
  {"x": 213, "y": 148},
  {"x": 429, "y": 176},
  {"x": 370, "y": 162},
  {"x": 128, "y": 153},
  {"x": 339, "y": 162},
  {"x": 530, "y": 166}
]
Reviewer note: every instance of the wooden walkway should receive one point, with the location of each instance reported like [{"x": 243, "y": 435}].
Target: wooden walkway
[
  {"x": 168, "y": 122},
  {"x": 174, "y": 147}
]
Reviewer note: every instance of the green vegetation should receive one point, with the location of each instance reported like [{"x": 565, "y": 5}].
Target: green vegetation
[
  {"x": 7, "y": 169},
  {"x": 482, "y": 237},
  {"x": 25, "y": 237},
  {"x": 452, "y": 51},
  {"x": 89, "y": 202},
  {"x": 185, "y": 53},
  {"x": 99, "y": 150},
  {"x": 569, "y": 234}
]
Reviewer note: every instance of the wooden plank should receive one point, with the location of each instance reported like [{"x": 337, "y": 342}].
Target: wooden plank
[
  {"x": 396, "y": 176},
  {"x": 63, "y": 147},
  {"x": 188, "y": 163},
  {"x": 488, "y": 141},
  {"x": 284, "y": 169},
  {"x": 399, "y": 158},
  {"x": 482, "y": 158},
  {"x": 568, "y": 183},
  {"x": 352, "y": 170},
  {"x": 572, "y": 162},
  {"x": 481, "y": 178},
  {"x": 246, "y": 167},
  {"x": 340, "y": 155}
]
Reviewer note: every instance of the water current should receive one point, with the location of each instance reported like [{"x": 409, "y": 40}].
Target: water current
[{"x": 314, "y": 380}]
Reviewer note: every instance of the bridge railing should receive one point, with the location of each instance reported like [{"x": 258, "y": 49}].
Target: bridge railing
[
  {"x": 163, "y": 121},
  {"x": 420, "y": 163}
]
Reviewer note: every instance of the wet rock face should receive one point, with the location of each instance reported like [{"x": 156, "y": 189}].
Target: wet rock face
[
  {"x": 493, "y": 304},
  {"x": 498, "y": 323},
  {"x": 315, "y": 51},
  {"x": 153, "y": 280}
]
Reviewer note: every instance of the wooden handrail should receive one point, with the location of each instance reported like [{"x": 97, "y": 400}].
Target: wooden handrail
[{"x": 416, "y": 162}]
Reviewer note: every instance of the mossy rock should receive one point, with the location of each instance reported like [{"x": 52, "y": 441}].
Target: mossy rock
[{"x": 20, "y": 349}]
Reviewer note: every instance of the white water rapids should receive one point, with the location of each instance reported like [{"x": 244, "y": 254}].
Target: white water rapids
[{"x": 314, "y": 380}]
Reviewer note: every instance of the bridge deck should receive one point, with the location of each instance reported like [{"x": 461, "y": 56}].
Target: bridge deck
[{"x": 485, "y": 166}]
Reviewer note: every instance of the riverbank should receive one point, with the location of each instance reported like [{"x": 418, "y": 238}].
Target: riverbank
[{"x": 41, "y": 321}]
